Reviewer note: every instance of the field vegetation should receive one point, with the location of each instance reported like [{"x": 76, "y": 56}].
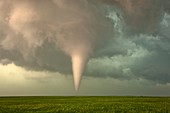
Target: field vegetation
[{"x": 82, "y": 104}]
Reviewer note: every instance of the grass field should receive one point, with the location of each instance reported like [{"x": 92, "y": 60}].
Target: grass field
[{"x": 80, "y": 104}]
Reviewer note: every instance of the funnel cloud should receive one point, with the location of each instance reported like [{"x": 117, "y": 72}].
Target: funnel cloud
[{"x": 73, "y": 27}]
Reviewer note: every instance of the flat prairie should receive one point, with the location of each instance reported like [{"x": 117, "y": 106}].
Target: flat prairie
[{"x": 84, "y": 104}]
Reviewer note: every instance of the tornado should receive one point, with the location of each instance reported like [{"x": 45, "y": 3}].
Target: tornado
[
  {"x": 78, "y": 64},
  {"x": 75, "y": 28},
  {"x": 79, "y": 57}
]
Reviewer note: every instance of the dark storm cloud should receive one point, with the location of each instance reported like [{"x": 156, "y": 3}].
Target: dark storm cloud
[
  {"x": 141, "y": 49},
  {"x": 136, "y": 43},
  {"x": 39, "y": 38}
]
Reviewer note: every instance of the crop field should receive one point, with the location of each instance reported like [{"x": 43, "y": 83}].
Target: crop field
[{"x": 82, "y": 104}]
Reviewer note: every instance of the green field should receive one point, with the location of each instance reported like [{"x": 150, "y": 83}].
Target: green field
[{"x": 71, "y": 104}]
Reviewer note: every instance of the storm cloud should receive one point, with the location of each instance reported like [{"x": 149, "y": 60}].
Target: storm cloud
[
  {"x": 140, "y": 47},
  {"x": 123, "y": 39}
]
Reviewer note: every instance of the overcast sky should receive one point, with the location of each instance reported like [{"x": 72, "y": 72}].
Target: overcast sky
[{"x": 125, "y": 45}]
